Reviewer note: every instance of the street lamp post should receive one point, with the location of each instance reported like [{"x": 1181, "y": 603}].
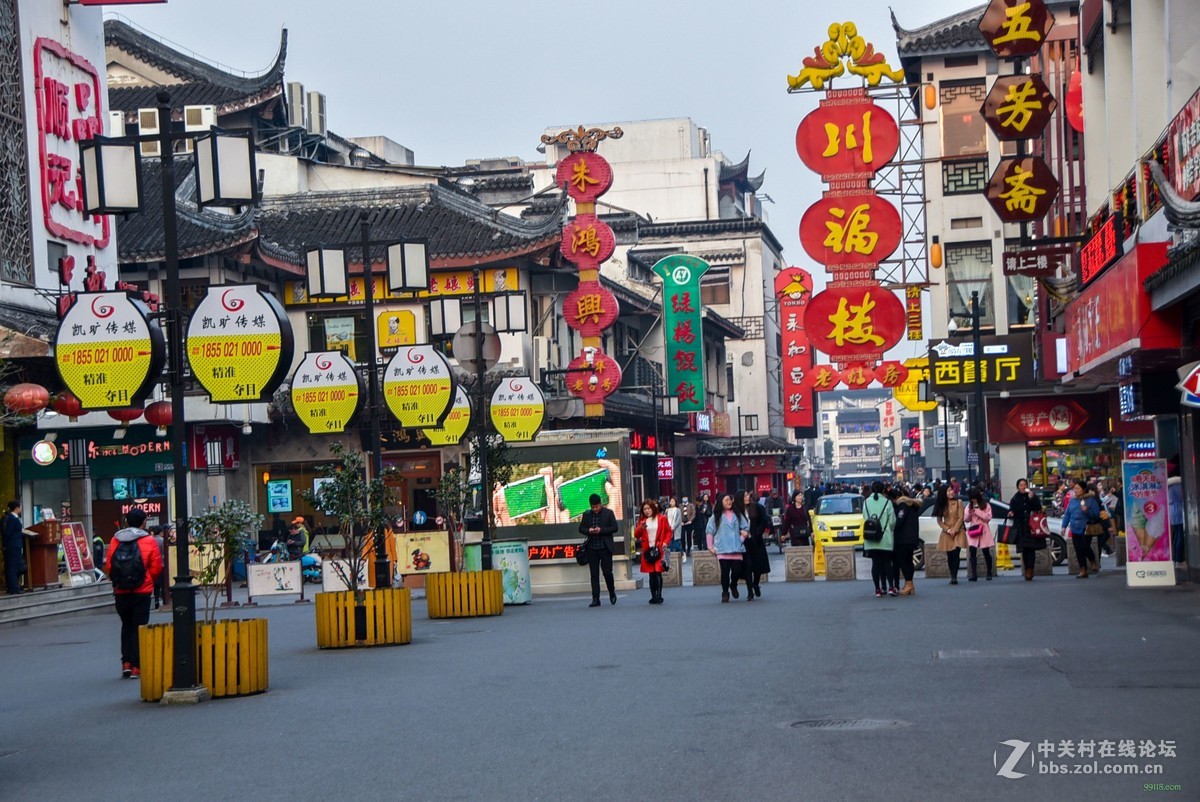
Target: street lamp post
[
  {"x": 977, "y": 417},
  {"x": 406, "y": 270},
  {"x": 751, "y": 426},
  {"x": 481, "y": 436},
  {"x": 112, "y": 184}
]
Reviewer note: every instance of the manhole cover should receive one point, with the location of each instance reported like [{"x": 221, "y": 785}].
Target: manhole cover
[{"x": 849, "y": 724}]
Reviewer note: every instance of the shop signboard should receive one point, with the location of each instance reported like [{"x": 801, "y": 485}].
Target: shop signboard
[
  {"x": 591, "y": 309},
  {"x": 587, "y": 241},
  {"x": 1018, "y": 107},
  {"x": 1022, "y": 190},
  {"x": 1016, "y": 28},
  {"x": 1039, "y": 262},
  {"x": 914, "y": 314},
  {"x": 1006, "y": 363},
  {"x": 682, "y": 327},
  {"x": 908, "y": 392},
  {"x": 1047, "y": 418},
  {"x": 1184, "y": 138},
  {"x": 442, "y": 282},
  {"x": 847, "y": 137},
  {"x": 457, "y": 421},
  {"x": 108, "y": 351},
  {"x": 1105, "y": 246},
  {"x": 1147, "y": 523},
  {"x": 239, "y": 343},
  {"x": 518, "y": 409},
  {"x": 326, "y": 392},
  {"x": 1140, "y": 449},
  {"x": 423, "y": 553},
  {"x": 855, "y": 323},
  {"x": 843, "y": 230},
  {"x": 394, "y": 328},
  {"x": 418, "y": 386},
  {"x": 666, "y": 468},
  {"x": 273, "y": 579},
  {"x": 77, "y": 553},
  {"x": 793, "y": 289}
]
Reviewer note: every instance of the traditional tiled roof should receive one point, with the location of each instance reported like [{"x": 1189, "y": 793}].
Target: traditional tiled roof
[
  {"x": 723, "y": 227},
  {"x": 958, "y": 33},
  {"x": 740, "y": 174},
  {"x": 140, "y": 236},
  {"x": 460, "y": 230},
  {"x": 724, "y": 446},
  {"x": 199, "y": 83},
  {"x": 35, "y": 324}
]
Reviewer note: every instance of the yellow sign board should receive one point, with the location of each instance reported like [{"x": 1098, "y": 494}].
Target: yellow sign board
[
  {"x": 518, "y": 409},
  {"x": 423, "y": 552},
  {"x": 418, "y": 386},
  {"x": 239, "y": 343},
  {"x": 452, "y": 282},
  {"x": 394, "y": 328},
  {"x": 107, "y": 350},
  {"x": 907, "y": 393},
  {"x": 326, "y": 392},
  {"x": 457, "y": 421}
]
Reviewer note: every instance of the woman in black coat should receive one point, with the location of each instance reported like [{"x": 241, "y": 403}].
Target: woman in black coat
[
  {"x": 906, "y": 538},
  {"x": 1023, "y": 504},
  {"x": 757, "y": 561}
]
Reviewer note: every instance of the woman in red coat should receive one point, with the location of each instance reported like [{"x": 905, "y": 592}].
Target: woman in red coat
[{"x": 653, "y": 529}]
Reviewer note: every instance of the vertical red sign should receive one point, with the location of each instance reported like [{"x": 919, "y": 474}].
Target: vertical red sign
[{"x": 793, "y": 288}]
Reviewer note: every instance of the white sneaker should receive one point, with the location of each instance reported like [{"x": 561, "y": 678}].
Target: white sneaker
[{"x": 685, "y": 556}]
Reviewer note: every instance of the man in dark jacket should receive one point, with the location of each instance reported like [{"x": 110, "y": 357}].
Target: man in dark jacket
[
  {"x": 599, "y": 524},
  {"x": 133, "y": 603},
  {"x": 14, "y": 548}
]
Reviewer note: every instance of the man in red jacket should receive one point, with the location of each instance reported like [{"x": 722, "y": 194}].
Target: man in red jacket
[{"x": 134, "y": 570}]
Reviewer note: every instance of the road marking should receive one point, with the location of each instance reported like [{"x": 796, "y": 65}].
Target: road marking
[{"x": 992, "y": 654}]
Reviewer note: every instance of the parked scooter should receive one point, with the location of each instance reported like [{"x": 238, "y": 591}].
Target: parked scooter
[{"x": 310, "y": 563}]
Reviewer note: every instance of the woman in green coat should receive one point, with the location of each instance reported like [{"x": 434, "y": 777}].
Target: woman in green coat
[{"x": 879, "y": 524}]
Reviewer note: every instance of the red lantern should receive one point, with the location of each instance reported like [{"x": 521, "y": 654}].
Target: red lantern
[
  {"x": 159, "y": 413},
  {"x": 26, "y": 399},
  {"x": 126, "y": 414},
  {"x": 67, "y": 403}
]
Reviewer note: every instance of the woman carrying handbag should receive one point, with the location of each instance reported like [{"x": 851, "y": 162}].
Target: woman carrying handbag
[
  {"x": 948, "y": 510},
  {"x": 653, "y": 533},
  {"x": 797, "y": 523},
  {"x": 1022, "y": 507},
  {"x": 979, "y": 534}
]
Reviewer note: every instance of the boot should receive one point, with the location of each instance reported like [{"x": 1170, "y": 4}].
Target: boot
[
  {"x": 595, "y": 602},
  {"x": 909, "y": 588},
  {"x": 1028, "y": 574},
  {"x": 724, "y": 597},
  {"x": 1083, "y": 572}
]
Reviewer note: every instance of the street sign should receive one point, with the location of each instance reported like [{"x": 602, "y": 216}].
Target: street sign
[
  {"x": 467, "y": 349},
  {"x": 682, "y": 323},
  {"x": 326, "y": 392},
  {"x": 1038, "y": 262},
  {"x": 939, "y": 437},
  {"x": 239, "y": 343},
  {"x": 418, "y": 386},
  {"x": 518, "y": 409},
  {"x": 107, "y": 350}
]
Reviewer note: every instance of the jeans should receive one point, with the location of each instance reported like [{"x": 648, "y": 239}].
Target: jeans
[
  {"x": 902, "y": 563},
  {"x": 881, "y": 568},
  {"x": 14, "y": 566},
  {"x": 731, "y": 570},
  {"x": 600, "y": 560},
  {"x": 134, "y": 610}
]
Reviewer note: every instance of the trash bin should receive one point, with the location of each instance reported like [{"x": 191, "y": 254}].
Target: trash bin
[
  {"x": 512, "y": 557},
  {"x": 472, "y": 557}
]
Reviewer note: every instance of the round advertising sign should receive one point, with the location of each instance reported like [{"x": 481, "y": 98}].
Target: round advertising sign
[
  {"x": 457, "y": 421},
  {"x": 518, "y": 409},
  {"x": 856, "y": 321},
  {"x": 418, "y": 386},
  {"x": 855, "y": 138},
  {"x": 326, "y": 392},
  {"x": 108, "y": 351},
  {"x": 239, "y": 343},
  {"x": 851, "y": 229}
]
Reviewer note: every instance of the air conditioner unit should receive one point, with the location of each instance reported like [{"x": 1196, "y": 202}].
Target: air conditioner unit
[
  {"x": 295, "y": 104},
  {"x": 316, "y": 114},
  {"x": 196, "y": 119},
  {"x": 116, "y": 123},
  {"x": 148, "y": 126}
]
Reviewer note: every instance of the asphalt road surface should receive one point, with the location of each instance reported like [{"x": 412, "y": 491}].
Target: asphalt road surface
[{"x": 815, "y": 691}]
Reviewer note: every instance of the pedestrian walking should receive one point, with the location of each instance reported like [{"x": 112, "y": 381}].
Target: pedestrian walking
[
  {"x": 948, "y": 509},
  {"x": 14, "y": 548},
  {"x": 704, "y": 512},
  {"x": 675, "y": 519},
  {"x": 879, "y": 525},
  {"x": 1083, "y": 513},
  {"x": 134, "y": 564},
  {"x": 757, "y": 561},
  {"x": 689, "y": 526},
  {"x": 725, "y": 533},
  {"x": 1109, "y": 504},
  {"x": 979, "y": 534},
  {"x": 906, "y": 539},
  {"x": 797, "y": 523},
  {"x": 599, "y": 524},
  {"x": 653, "y": 535},
  {"x": 1021, "y": 506},
  {"x": 156, "y": 532},
  {"x": 1175, "y": 518}
]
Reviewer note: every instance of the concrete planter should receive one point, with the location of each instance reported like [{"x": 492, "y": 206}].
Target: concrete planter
[
  {"x": 798, "y": 563},
  {"x": 465, "y": 595},
  {"x": 384, "y": 618},
  {"x": 231, "y": 658}
]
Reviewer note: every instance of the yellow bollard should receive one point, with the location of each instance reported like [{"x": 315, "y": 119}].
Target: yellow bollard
[{"x": 818, "y": 558}]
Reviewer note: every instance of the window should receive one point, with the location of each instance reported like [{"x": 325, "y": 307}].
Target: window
[
  {"x": 339, "y": 331},
  {"x": 1021, "y": 299},
  {"x": 964, "y": 132},
  {"x": 969, "y": 269},
  {"x": 966, "y": 222},
  {"x": 961, "y": 61},
  {"x": 714, "y": 286},
  {"x": 729, "y": 382}
]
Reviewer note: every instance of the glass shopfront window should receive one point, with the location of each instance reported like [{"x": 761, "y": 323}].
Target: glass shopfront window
[{"x": 1059, "y": 461}]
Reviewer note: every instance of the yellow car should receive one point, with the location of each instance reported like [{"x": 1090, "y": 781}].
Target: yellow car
[{"x": 838, "y": 520}]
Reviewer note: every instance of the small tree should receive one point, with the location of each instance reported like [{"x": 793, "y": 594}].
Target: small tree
[
  {"x": 452, "y": 495},
  {"x": 361, "y": 508},
  {"x": 500, "y": 470},
  {"x": 222, "y": 534}
]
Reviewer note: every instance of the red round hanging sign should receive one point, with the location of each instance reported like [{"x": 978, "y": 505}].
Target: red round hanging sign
[
  {"x": 590, "y": 309},
  {"x": 856, "y": 321},
  {"x": 587, "y": 241},
  {"x": 850, "y": 230},
  {"x": 891, "y": 374},
  {"x": 585, "y": 174},
  {"x": 593, "y": 384},
  {"x": 841, "y": 138},
  {"x": 858, "y": 375}
]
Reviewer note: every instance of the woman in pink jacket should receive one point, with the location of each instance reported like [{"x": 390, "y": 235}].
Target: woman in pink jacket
[
  {"x": 653, "y": 529},
  {"x": 979, "y": 533}
]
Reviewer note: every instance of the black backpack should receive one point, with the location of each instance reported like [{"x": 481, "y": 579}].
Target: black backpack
[
  {"x": 128, "y": 569},
  {"x": 872, "y": 528}
]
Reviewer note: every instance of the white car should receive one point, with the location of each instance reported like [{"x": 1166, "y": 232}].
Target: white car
[{"x": 930, "y": 532}]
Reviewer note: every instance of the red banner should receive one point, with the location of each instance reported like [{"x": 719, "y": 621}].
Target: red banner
[
  {"x": 1045, "y": 419},
  {"x": 857, "y": 323},
  {"x": 793, "y": 288},
  {"x": 844, "y": 138},
  {"x": 850, "y": 230}
]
